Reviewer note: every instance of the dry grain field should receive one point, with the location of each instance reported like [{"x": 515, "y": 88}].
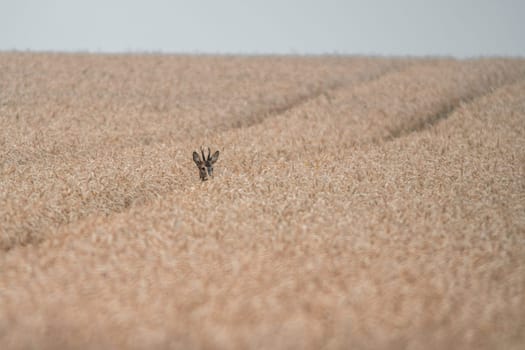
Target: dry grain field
[{"x": 357, "y": 203}]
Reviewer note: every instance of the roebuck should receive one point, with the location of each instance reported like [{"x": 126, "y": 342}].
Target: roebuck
[{"x": 206, "y": 164}]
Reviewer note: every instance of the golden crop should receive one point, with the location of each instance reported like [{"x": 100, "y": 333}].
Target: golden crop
[{"x": 357, "y": 202}]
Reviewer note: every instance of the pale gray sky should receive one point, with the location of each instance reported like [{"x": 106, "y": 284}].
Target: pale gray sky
[{"x": 461, "y": 28}]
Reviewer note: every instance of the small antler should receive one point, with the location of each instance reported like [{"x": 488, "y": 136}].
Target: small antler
[
  {"x": 203, "y": 157},
  {"x": 209, "y": 152}
]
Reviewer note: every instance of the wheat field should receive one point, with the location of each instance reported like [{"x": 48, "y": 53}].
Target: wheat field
[{"x": 358, "y": 202}]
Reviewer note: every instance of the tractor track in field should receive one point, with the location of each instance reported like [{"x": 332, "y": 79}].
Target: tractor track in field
[
  {"x": 431, "y": 120},
  {"x": 259, "y": 116}
]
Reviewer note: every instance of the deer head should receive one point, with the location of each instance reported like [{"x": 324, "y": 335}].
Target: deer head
[{"x": 206, "y": 164}]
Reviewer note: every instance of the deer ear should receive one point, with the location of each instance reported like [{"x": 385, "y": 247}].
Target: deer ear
[
  {"x": 214, "y": 157},
  {"x": 196, "y": 158}
]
